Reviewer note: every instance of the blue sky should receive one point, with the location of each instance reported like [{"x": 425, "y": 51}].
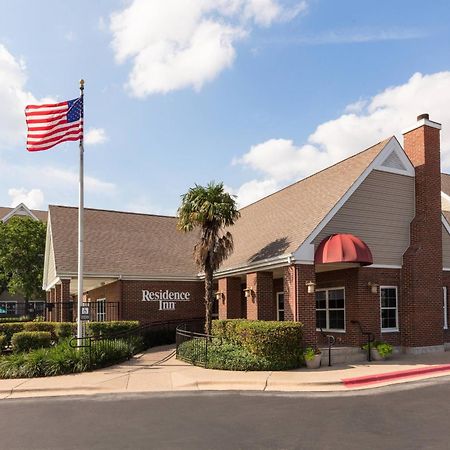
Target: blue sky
[{"x": 254, "y": 93}]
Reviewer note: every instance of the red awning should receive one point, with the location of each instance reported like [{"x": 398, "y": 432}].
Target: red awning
[{"x": 343, "y": 248}]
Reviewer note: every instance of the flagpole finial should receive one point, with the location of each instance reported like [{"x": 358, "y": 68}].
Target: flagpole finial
[{"x": 82, "y": 84}]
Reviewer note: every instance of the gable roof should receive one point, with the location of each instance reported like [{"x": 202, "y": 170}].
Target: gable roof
[
  {"x": 121, "y": 244},
  {"x": 39, "y": 214},
  {"x": 278, "y": 224}
]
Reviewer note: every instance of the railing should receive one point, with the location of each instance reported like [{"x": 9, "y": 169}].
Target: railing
[
  {"x": 197, "y": 343},
  {"x": 370, "y": 338},
  {"x": 67, "y": 311},
  {"x": 137, "y": 339},
  {"x": 331, "y": 341}
]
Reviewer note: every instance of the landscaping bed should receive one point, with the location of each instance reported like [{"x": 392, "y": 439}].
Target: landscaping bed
[{"x": 245, "y": 345}]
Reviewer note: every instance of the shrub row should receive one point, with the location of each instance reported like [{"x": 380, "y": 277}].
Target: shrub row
[
  {"x": 278, "y": 343},
  {"x": 63, "y": 330}
]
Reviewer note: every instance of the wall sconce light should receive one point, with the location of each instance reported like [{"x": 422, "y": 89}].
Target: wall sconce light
[
  {"x": 373, "y": 287},
  {"x": 249, "y": 292},
  {"x": 220, "y": 296},
  {"x": 311, "y": 287}
]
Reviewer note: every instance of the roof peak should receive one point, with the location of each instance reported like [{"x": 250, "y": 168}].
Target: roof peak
[{"x": 385, "y": 141}]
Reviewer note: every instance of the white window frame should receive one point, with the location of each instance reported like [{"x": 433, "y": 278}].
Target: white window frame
[
  {"x": 389, "y": 330},
  {"x": 278, "y": 305},
  {"x": 327, "y": 310},
  {"x": 101, "y": 316},
  {"x": 445, "y": 306}
]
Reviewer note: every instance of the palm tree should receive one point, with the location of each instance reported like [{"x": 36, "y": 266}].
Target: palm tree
[{"x": 210, "y": 209}]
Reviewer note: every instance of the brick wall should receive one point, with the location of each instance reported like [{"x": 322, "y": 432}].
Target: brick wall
[
  {"x": 129, "y": 294},
  {"x": 261, "y": 305},
  {"x": 230, "y": 305}
]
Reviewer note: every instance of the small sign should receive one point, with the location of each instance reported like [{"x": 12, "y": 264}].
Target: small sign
[{"x": 85, "y": 313}]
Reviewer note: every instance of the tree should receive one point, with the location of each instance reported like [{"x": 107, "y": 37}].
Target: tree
[
  {"x": 209, "y": 209},
  {"x": 22, "y": 247}
]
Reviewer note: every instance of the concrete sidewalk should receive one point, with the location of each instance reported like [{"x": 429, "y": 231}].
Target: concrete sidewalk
[{"x": 145, "y": 373}]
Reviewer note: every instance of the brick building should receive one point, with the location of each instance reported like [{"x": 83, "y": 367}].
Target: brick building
[{"x": 366, "y": 240}]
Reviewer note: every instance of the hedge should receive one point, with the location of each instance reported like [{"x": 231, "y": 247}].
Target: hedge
[
  {"x": 110, "y": 328},
  {"x": 240, "y": 344},
  {"x": 2, "y": 342},
  {"x": 25, "y": 341},
  {"x": 277, "y": 341}
]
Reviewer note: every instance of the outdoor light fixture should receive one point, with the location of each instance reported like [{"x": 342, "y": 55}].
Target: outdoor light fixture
[
  {"x": 248, "y": 292},
  {"x": 220, "y": 296},
  {"x": 311, "y": 287},
  {"x": 373, "y": 287}
]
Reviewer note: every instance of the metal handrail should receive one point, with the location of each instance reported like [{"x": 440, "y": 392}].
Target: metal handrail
[
  {"x": 370, "y": 338},
  {"x": 331, "y": 341}
]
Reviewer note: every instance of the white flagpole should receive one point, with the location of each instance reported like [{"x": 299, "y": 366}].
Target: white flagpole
[{"x": 80, "y": 232}]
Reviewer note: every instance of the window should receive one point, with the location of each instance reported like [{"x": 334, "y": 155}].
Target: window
[
  {"x": 8, "y": 308},
  {"x": 330, "y": 309},
  {"x": 280, "y": 306},
  {"x": 37, "y": 307},
  {"x": 444, "y": 291},
  {"x": 389, "y": 308},
  {"x": 101, "y": 310}
]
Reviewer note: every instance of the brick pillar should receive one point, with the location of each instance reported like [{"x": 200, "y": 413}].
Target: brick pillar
[
  {"x": 298, "y": 304},
  {"x": 261, "y": 305},
  {"x": 58, "y": 303},
  {"x": 421, "y": 312},
  {"x": 65, "y": 299},
  {"x": 230, "y": 303}
]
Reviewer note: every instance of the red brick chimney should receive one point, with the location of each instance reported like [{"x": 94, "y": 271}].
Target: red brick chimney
[{"x": 420, "y": 306}]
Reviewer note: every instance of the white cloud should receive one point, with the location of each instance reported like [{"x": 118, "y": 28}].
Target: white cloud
[
  {"x": 70, "y": 36},
  {"x": 175, "y": 44},
  {"x": 13, "y": 99},
  {"x": 33, "y": 199},
  {"x": 95, "y": 136},
  {"x": 280, "y": 161}
]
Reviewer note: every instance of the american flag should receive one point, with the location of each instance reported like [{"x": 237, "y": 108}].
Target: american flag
[{"x": 51, "y": 124}]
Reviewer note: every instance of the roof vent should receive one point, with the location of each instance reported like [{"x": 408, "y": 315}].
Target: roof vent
[{"x": 423, "y": 116}]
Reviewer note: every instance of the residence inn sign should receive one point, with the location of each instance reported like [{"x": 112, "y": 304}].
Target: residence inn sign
[{"x": 165, "y": 298}]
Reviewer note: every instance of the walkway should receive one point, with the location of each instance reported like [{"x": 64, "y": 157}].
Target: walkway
[{"x": 145, "y": 373}]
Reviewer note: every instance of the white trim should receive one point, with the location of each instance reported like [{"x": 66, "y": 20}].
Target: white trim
[
  {"x": 383, "y": 266},
  {"x": 446, "y": 196},
  {"x": 409, "y": 168},
  {"x": 278, "y": 304},
  {"x": 20, "y": 206},
  {"x": 445, "y": 306},
  {"x": 327, "y": 309},
  {"x": 421, "y": 123},
  {"x": 101, "y": 300},
  {"x": 389, "y": 330},
  {"x": 392, "y": 145}
]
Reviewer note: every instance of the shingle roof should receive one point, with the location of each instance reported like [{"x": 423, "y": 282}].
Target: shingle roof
[
  {"x": 121, "y": 243},
  {"x": 41, "y": 215},
  {"x": 278, "y": 224}
]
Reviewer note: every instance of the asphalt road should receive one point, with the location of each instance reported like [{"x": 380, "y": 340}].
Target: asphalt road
[{"x": 409, "y": 417}]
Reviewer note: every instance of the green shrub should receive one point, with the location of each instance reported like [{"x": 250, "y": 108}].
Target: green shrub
[
  {"x": 41, "y": 326},
  {"x": 2, "y": 342},
  {"x": 8, "y": 329},
  {"x": 14, "y": 319},
  {"x": 64, "y": 330},
  {"x": 226, "y": 329},
  {"x": 384, "y": 349},
  {"x": 110, "y": 328},
  {"x": 25, "y": 341},
  {"x": 225, "y": 355},
  {"x": 310, "y": 353},
  {"x": 62, "y": 359}
]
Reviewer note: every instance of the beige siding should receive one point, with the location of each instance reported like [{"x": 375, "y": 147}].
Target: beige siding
[
  {"x": 445, "y": 248},
  {"x": 379, "y": 212}
]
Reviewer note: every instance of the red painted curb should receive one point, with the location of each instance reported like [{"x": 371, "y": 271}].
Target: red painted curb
[{"x": 382, "y": 377}]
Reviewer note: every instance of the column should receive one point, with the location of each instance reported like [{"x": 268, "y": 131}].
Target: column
[
  {"x": 261, "y": 304},
  {"x": 230, "y": 302}
]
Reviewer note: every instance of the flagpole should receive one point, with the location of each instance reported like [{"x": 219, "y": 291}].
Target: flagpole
[{"x": 80, "y": 232}]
